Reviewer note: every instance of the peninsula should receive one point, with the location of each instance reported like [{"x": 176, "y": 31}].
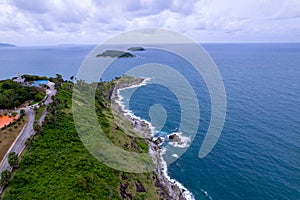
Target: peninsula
[{"x": 57, "y": 165}]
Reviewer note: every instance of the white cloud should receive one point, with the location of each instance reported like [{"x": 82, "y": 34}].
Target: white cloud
[
  {"x": 77, "y": 21},
  {"x": 290, "y": 9}
]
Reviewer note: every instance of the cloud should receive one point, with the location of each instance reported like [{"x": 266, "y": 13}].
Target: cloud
[
  {"x": 76, "y": 21},
  {"x": 31, "y": 6},
  {"x": 289, "y": 10}
]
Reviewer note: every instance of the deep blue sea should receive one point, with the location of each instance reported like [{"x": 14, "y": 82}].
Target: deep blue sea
[
  {"x": 258, "y": 153},
  {"x": 46, "y": 60}
]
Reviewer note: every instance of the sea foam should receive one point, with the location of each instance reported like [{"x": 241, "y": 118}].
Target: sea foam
[{"x": 126, "y": 112}]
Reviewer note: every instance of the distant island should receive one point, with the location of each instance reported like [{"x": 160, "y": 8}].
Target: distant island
[
  {"x": 136, "y": 49},
  {"x": 6, "y": 45},
  {"x": 116, "y": 54}
]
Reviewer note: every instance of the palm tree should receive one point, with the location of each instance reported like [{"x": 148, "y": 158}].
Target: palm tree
[
  {"x": 5, "y": 178},
  {"x": 29, "y": 141},
  {"x": 13, "y": 159},
  {"x": 36, "y": 126},
  {"x": 22, "y": 113}
]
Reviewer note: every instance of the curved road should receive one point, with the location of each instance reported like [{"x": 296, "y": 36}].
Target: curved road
[{"x": 19, "y": 144}]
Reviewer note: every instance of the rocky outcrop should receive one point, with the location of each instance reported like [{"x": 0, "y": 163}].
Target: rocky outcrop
[
  {"x": 139, "y": 187},
  {"x": 175, "y": 138},
  {"x": 123, "y": 192},
  {"x": 166, "y": 188},
  {"x": 158, "y": 141}
]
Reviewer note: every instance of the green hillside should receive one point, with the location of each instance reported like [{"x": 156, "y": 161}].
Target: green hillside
[{"x": 58, "y": 166}]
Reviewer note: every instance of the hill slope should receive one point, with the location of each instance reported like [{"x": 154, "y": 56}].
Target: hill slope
[{"x": 58, "y": 166}]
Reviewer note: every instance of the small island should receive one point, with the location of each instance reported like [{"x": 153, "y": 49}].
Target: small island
[
  {"x": 116, "y": 54},
  {"x": 136, "y": 49}
]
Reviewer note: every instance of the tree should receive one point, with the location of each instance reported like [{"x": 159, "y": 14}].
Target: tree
[
  {"x": 29, "y": 141},
  {"x": 14, "y": 114},
  {"x": 35, "y": 109},
  {"x": 5, "y": 178},
  {"x": 58, "y": 76},
  {"x": 58, "y": 80},
  {"x": 13, "y": 159},
  {"x": 22, "y": 112},
  {"x": 13, "y": 94},
  {"x": 36, "y": 126}
]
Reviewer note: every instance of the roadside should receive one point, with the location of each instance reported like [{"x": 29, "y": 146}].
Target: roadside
[
  {"x": 19, "y": 144},
  {"x": 9, "y": 135}
]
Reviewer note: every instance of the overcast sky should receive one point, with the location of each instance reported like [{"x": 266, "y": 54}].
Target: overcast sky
[{"x": 44, "y": 22}]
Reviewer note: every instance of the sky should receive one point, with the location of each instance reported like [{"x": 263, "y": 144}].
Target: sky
[{"x": 51, "y": 22}]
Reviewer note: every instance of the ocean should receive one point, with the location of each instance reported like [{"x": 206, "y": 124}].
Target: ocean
[
  {"x": 42, "y": 60},
  {"x": 257, "y": 155}
]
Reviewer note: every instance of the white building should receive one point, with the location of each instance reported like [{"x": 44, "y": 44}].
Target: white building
[{"x": 19, "y": 79}]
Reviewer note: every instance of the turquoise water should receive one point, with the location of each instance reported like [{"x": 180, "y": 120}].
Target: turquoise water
[
  {"x": 37, "y": 83},
  {"x": 257, "y": 155}
]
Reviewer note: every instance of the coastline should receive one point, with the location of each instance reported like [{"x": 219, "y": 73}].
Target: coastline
[{"x": 170, "y": 188}]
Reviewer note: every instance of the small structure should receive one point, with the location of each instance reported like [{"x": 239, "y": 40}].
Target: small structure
[{"x": 19, "y": 79}]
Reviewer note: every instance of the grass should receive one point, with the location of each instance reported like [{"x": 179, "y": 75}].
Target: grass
[
  {"x": 7, "y": 137},
  {"x": 58, "y": 166},
  {"x": 40, "y": 112}
]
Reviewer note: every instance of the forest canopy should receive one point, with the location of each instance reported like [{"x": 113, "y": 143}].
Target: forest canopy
[{"x": 13, "y": 94}]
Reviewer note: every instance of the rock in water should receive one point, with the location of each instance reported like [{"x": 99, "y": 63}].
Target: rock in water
[{"x": 175, "y": 138}]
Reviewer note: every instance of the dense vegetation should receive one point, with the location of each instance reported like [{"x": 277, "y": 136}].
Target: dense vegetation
[
  {"x": 116, "y": 54},
  {"x": 58, "y": 166},
  {"x": 34, "y": 77},
  {"x": 13, "y": 94},
  {"x": 136, "y": 49}
]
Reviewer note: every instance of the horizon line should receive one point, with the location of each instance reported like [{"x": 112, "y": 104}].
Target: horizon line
[{"x": 89, "y": 44}]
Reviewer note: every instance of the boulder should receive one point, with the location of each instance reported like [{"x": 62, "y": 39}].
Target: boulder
[
  {"x": 158, "y": 141},
  {"x": 174, "y": 138}
]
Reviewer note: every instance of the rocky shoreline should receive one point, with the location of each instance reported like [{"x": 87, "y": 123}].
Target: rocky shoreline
[{"x": 168, "y": 189}]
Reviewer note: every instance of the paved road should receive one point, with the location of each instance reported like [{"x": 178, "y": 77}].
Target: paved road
[
  {"x": 19, "y": 144},
  {"x": 51, "y": 92}
]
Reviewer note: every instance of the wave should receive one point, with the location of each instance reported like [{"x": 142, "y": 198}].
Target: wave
[
  {"x": 184, "y": 141},
  {"x": 206, "y": 194},
  {"x": 126, "y": 112}
]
